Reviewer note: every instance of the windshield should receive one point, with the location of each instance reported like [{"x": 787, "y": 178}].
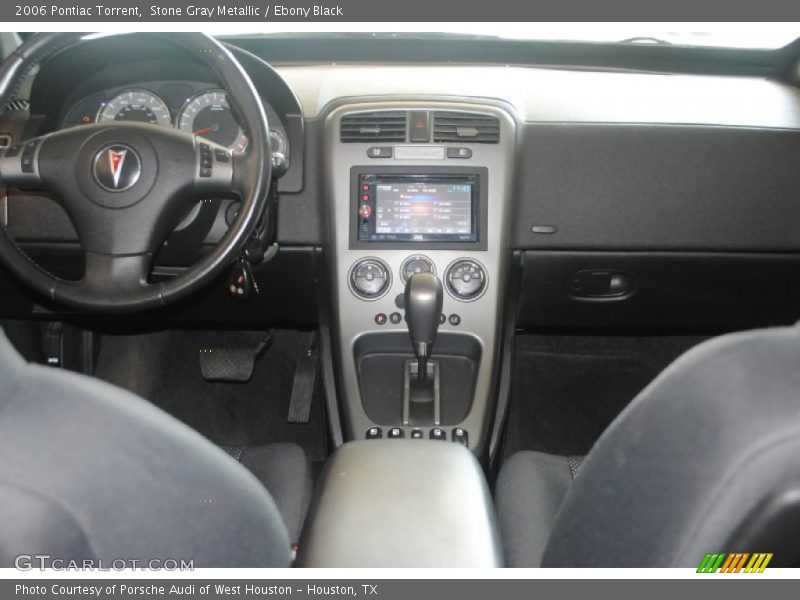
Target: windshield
[{"x": 729, "y": 35}]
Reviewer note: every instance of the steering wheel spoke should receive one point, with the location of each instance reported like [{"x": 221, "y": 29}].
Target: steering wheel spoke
[
  {"x": 19, "y": 164},
  {"x": 114, "y": 273}
]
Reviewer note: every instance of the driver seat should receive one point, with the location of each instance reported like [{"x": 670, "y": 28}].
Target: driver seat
[{"x": 90, "y": 471}]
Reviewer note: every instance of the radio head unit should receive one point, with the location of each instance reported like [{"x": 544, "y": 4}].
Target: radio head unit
[{"x": 431, "y": 208}]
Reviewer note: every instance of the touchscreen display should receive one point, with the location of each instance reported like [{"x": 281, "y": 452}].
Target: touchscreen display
[{"x": 423, "y": 208}]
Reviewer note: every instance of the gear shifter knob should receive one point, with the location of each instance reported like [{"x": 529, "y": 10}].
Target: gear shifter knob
[{"x": 423, "y": 303}]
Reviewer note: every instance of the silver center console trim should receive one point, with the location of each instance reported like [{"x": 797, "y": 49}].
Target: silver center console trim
[{"x": 481, "y": 318}]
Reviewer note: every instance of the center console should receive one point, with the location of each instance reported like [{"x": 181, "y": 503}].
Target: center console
[
  {"x": 401, "y": 504},
  {"x": 418, "y": 209}
]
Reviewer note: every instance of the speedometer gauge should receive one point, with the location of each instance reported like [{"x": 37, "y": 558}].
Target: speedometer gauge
[
  {"x": 135, "y": 105},
  {"x": 209, "y": 115}
]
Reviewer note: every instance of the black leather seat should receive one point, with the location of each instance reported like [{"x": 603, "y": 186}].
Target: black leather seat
[
  {"x": 705, "y": 459},
  {"x": 91, "y": 471}
]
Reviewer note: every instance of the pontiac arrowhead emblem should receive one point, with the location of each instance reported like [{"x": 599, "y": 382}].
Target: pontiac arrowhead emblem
[{"x": 117, "y": 168}]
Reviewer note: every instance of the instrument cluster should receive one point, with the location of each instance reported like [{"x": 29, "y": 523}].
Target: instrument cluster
[{"x": 193, "y": 107}]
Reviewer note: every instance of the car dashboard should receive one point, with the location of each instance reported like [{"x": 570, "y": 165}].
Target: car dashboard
[{"x": 570, "y": 199}]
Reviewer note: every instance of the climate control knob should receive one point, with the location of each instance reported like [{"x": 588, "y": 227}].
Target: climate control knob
[
  {"x": 370, "y": 278},
  {"x": 465, "y": 279},
  {"x": 418, "y": 263}
]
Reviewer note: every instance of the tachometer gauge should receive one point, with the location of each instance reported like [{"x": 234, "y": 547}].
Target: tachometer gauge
[
  {"x": 135, "y": 105},
  {"x": 209, "y": 115}
]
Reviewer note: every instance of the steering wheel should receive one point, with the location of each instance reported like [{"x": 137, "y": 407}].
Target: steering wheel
[{"x": 127, "y": 185}]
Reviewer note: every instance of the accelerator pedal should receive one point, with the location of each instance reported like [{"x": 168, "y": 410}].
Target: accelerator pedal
[
  {"x": 305, "y": 375},
  {"x": 233, "y": 365}
]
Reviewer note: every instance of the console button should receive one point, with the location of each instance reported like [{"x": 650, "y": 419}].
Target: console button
[
  {"x": 416, "y": 434},
  {"x": 374, "y": 433},
  {"x": 379, "y": 152},
  {"x": 396, "y": 433},
  {"x": 380, "y": 319},
  {"x": 461, "y": 436},
  {"x": 455, "y": 320},
  {"x": 442, "y": 319},
  {"x": 459, "y": 153},
  {"x": 437, "y": 433},
  {"x": 420, "y": 126},
  {"x": 395, "y": 317},
  {"x": 465, "y": 279},
  {"x": 369, "y": 278}
]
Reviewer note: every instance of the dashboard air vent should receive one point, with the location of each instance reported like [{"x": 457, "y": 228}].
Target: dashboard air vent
[
  {"x": 18, "y": 104},
  {"x": 453, "y": 126},
  {"x": 377, "y": 126}
]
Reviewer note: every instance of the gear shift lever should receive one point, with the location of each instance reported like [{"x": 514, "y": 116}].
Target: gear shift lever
[{"x": 423, "y": 304}]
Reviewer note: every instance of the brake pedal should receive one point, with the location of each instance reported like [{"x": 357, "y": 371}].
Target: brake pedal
[
  {"x": 305, "y": 375},
  {"x": 232, "y": 365}
]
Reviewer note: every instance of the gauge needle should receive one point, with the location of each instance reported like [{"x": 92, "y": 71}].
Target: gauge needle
[{"x": 203, "y": 130}]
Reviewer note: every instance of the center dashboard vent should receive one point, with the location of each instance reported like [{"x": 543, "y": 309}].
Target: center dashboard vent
[
  {"x": 377, "y": 126},
  {"x": 456, "y": 126}
]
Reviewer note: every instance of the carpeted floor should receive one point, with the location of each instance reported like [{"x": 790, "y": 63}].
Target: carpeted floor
[
  {"x": 567, "y": 389},
  {"x": 163, "y": 367}
]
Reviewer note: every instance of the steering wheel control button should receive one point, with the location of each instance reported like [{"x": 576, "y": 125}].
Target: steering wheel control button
[
  {"x": 380, "y": 319},
  {"x": 466, "y": 279},
  {"x": 374, "y": 433},
  {"x": 379, "y": 152},
  {"x": 418, "y": 263},
  {"x": 417, "y": 434},
  {"x": 395, "y": 318},
  {"x": 370, "y": 278},
  {"x": 214, "y": 169},
  {"x": 454, "y": 320},
  {"x": 459, "y": 153},
  {"x": 206, "y": 160},
  {"x": 117, "y": 168},
  {"x": 396, "y": 433},
  {"x": 437, "y": 433},
  {"x": 460, "y": 436}
]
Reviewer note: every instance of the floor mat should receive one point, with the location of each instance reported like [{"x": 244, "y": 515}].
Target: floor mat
[
  {"x": 163, "y": 368},
  {"x": 566, "y": 390}
]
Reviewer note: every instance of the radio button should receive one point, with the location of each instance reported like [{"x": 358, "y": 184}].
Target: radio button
[
  {"x": 459, "y": 153},
  {"x": 379, "y": 152}
]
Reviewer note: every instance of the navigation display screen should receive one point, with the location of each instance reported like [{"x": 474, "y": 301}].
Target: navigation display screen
[
  {"x": 417, "y": 207},
  {"x": 424, "y": 208}
]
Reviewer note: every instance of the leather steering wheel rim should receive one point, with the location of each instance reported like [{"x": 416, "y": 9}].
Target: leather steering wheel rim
[{"x": 117, "y": 269}]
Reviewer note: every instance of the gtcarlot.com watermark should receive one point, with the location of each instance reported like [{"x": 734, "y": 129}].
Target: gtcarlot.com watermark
[{"x": 42, "y": 562}]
